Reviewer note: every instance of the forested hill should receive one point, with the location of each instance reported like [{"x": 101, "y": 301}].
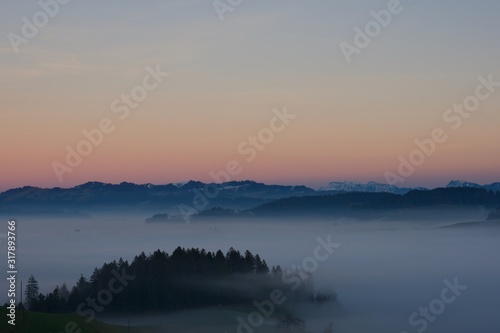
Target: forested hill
[
  {"x": 186, "y": 279},
  {"x": 359, "y": 202}
]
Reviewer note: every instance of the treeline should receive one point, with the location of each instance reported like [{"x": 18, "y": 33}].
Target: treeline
[
  {"x": 356, "y": 201},
  {"x": 188, "y": 278}
]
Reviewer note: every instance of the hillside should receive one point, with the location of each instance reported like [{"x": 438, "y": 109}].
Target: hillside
[
  {"x": 376, "y": 205},
  {"x": 36, "y": 322}
]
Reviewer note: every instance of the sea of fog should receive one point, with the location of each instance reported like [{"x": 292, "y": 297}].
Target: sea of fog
[{"x": 383, "y": 272}]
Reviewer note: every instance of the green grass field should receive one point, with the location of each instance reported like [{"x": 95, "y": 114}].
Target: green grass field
[
  {"x": 35, "y": 322},
  {"x": 209, "y": 320}
]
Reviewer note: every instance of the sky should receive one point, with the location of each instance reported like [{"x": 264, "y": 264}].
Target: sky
[{"x": 233, "y": 67}]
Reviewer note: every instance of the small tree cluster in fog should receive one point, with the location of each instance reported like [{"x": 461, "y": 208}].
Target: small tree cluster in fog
[{"x": 187, "y": 278}]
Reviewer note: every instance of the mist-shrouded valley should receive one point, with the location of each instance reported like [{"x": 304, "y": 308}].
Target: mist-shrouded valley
[
  {"x": 335, "y": 262},
  {"x": 232, "y": 166}
]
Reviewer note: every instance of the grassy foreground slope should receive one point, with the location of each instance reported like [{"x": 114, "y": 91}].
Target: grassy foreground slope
[
  {"x": 212, "y": 320},
  {"x": 36, "y": 322}
]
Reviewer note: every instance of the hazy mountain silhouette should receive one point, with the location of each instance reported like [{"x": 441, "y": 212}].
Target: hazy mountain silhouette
[
  {"x": 368, "y": 187},
  {"x": 461, "y": 183},
  {"x": 381, "y": 205},
  {"x": 103, "y": 196},
  {"x": 236, "y": 195}
]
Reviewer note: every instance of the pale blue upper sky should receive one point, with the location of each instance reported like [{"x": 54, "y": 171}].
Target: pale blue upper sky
[{"x": 227, "y": 76}]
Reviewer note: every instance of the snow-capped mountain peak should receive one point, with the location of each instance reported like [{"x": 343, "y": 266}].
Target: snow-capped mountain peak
[
  {"x": 462, "y": 183},
  {"x": 360, "y": 187}
]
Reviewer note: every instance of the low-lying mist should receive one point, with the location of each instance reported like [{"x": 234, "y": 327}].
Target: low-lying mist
[{"x": 389, "y": 276}]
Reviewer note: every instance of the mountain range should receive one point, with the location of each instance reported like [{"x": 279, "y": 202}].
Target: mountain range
[
  {"x": 374, "y": 187},
  {"x": 102, "y": 196},
  {"x": 239, "y": 195},
  {"x": 368, "y": 187},
  {"x": 460, "y": 183}
]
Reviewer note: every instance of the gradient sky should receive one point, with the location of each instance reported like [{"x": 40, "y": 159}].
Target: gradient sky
[{"x": 226, "y": 77}]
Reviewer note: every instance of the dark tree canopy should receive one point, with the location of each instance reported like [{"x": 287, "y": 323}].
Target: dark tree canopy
[
  {"x": 31, "y": 292},
  {"x": 187, "y": 278}
]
